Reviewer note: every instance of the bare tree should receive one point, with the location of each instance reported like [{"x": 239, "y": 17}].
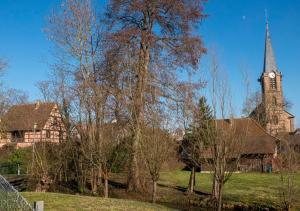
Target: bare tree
[
  {"x": 185, "y": 102},
  {"x": 288, "y": 166},
  {"x": 226, "y": 142},
  {"x": 154, "y": 32},
  {"x": 252, "y": 105},
  {"x": 75, "y": 30},
  {"x": 155, "y": 149},
  {"x": 120, "y": 76},
  {"x": 77, "y": 81},
  {"x": 9, "y": 97},
  {"x": 155, "y": 146},
  {"x": 102, "y": 155},
  {"x": 45, "y": 89}
]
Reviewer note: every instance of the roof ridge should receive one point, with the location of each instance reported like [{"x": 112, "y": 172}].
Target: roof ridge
[
  {"x": 289, "y": 113},
  {"x": 23, "y": 116},
  {"x": 263, "y": 129},
  {"x": 21, "y": 104}
]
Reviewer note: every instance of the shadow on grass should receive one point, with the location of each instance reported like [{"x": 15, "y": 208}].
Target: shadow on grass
[
  {"x": 117, "y": 185},
  {"x": 184, "y": 189}
]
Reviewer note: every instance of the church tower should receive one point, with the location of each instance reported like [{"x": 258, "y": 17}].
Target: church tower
[{"x": 277, "y": 120}]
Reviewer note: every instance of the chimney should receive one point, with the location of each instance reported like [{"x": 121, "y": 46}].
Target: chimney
[
  {"x": 37, "y": 105},
  {"x": 230, "y": 121}
]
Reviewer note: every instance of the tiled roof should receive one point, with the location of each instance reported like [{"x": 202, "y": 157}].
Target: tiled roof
[
  {"x": 254, "y": 139},
  {"x": 24, "y": 117}
]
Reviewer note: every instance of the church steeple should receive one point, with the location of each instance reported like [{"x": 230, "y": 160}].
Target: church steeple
[
  {"x": 269, "y": 58},
  {"x": 271, "y": 82},
  {"x": 271, "y": 112}
]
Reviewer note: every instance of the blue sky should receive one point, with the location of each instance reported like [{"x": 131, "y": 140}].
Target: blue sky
[{"x": 235, "y": 28}]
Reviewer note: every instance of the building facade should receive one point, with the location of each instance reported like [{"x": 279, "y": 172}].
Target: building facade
[
  {"x": 29, "y": 123},
  {"x": 271, "y": 113}
]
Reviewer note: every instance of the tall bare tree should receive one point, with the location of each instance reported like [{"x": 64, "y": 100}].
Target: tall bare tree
[
  {"x": 155, "y": 31},
  {"x": 155, "y": 149},
  {"x": 155, "y": 145},
  {"x": 77, "y": 81},
  {"x": 226, "y": 142},
  {"x": 9, "y": 96},
  {"x": 289, "y": 165}
]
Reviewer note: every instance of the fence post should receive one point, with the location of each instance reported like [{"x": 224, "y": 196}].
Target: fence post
[
  {"x": 18, "y": 169},
  {"x": 38, "y": 206}
]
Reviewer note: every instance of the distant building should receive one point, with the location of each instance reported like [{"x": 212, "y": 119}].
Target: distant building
[
  {"x": 271, "y": 113},
  {"x": 262, "y": 135},
  {"x": 256, "y": 149},
  {"x": 28, "y": 123}
]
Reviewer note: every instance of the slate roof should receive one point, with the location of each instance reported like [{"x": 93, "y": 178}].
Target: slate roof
[
  {"x": 23, "y": 117},
  {"x": 269, "y": 58},
  {"x": 290, "y": 115}
]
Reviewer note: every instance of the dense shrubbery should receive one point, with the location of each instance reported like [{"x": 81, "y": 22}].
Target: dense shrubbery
[
  {"x": 11, "y": 159},
  {"x": 120, "y": 156}
]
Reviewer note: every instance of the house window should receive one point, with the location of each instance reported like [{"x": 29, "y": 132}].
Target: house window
[
  {"x": 17, "y": 136},
  {"x": 48, "y": 135}
]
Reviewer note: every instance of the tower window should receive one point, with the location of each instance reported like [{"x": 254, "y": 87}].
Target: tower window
[
  {"x": 275, "y": 120},
  {"x": 273, "y": 83}
]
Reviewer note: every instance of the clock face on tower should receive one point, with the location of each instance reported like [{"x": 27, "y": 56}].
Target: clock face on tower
[{"x": 272, "y": 75}]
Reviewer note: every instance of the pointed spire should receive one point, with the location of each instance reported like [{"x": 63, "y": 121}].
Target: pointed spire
[{"x": 269, "y": 60}]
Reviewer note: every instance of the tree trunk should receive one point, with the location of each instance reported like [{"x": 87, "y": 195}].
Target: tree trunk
[
  {"x": 99, "y": 180},
  {"x": 215, "y": 193},
  {"x": 93, "y": 180},
  {"x": 134, "y": 183},
  {"x": 220, "y": 196},
  {"x": 154, "y": 191},
  {"x": 105, "y": 186},
  {"x": 192, "y": 181}
]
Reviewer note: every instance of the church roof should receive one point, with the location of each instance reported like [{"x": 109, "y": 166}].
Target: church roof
[
  {"x": 269, "y": 58},
  {"x": 290, "y": 115}
]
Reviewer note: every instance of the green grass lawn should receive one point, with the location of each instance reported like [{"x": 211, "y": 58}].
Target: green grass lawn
[
  {"x": 248, "y": 188},
  {"x": 254, "y": 189},
  {"x": 56, "y": 201}
]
